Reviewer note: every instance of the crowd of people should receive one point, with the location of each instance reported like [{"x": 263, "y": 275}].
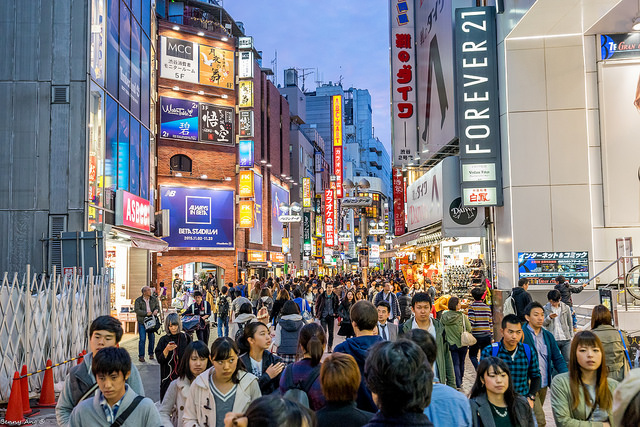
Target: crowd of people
[{"x": 402, "y": 361}]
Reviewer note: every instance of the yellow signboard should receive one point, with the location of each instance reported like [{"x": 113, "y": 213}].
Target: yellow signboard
[
  {"x": 245, "y": 184},
  {"x": 245, "y": 94},
  {"x": 216, "y": 67},
  {"x": 306, "y": 192},
  {"x": 245, "y": 212},
  {"x": 336, "y": 114}
]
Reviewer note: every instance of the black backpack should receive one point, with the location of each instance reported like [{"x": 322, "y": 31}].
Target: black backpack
[
  {"x": 299, "y": 392},
  {"x": 223, "y": 307},
  {"x": 240, "y": 330}
]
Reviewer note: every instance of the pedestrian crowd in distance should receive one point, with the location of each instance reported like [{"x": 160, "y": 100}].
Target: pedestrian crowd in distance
[{"x": 401, "y": 363}]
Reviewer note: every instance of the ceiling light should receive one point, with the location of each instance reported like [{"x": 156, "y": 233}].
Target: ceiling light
[
  {"x": 200, "y": 92},
  {"x": 203, "y": 176},
  {"x": 224, "y": 39},
  {"x": 175, "y": 27},
  {"x": 636, "y": 24},
  {"x": 426, "y": 150},
  {"x": 224, "y": 96},
  {"x": 178, "y": 174},
  {"x": 227, "y": 178},
  {"x": 264, "y": 162},
  {"x": 201, "y": 33},
  {"x": 268, "y": 165},
  {"x": 295, "y": 183},
  {"x": 283, "y": 175},
  {"x": 176, "y": 88}
]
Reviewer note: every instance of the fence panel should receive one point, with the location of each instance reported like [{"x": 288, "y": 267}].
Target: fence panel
[{"x": 46, "y": 318}]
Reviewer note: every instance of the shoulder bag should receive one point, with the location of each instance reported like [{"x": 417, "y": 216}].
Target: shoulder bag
[{"x": 466, "y": 338}]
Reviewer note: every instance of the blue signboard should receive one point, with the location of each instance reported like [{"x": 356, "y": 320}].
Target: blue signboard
[
  {"x": 255, "y": 234},
  {"x": 178, "y": 119},
  {"x": 278, "y": 195},
  {"x": 245, "y": 149},
  {"x": 199, "y": 217}
]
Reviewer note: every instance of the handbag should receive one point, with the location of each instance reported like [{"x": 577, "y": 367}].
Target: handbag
[
  {"x": 466, "y": 338},
  {"x": 151, "y": 323}
]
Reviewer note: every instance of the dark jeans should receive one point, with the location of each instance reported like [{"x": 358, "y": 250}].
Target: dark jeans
[
  {"x": 223, "y": 323},
  {"x": 457, "y": 357},
  {"x": 483, "y": 341},
  {"x": 328, "y": 324},
  {"x": 203, "y": 334},
  {"x": 143, "y": 336}
]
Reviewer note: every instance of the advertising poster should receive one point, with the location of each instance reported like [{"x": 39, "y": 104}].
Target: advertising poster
[
  {"x": 398, "y": 202},
  {"x": 246, "y": 124},
  {"x": 245, "y": 183},
  {"x": 255, "y": 235},
  {"x": 245, "y": 153},
  {"x": 245, "y": 68},
  {"x": 306, "y": 234},
  {"x": 306, "y": 192},
  {"x": 199, "y": 217},
  {"x": 541, "y": 268},
  {"x": 178, "y": 60},
  {"x": 278, "y": 195},
  {"x": 178, "y": 119},
  {"x": 216, "y": 67},
  {"x": 216, "y": 124},
  {"x": 245, "y": 94},
  {"x": 337, "y": 169},
  {"x": 245, "y": 212}
]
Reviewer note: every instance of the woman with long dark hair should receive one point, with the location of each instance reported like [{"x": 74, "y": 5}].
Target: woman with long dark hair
[
  {"x": 255, "y": 355},
  {"x": 493, "y": 401},
  {"x": 283, "y": 296},
  {"x": 344, "y": 309},
  {"x": 311, "y": 342},
  {"x": 288, "y": 331},
  {"x": 585, "y": 393}
]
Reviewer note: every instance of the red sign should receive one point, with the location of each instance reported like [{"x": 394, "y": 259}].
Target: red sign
[
  {"x": 337, "y": 168},
  {"x": 329, "y": 218},
  {"x": 398, "y": 202},
  {"x": 132, "y": 211}
]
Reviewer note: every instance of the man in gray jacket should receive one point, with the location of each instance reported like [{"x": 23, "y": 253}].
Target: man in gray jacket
[
  {"x": 558, "y": 321},
  {"x": 80, "y": 384}
]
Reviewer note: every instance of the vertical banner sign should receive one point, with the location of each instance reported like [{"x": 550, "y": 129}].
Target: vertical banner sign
[
  {"x": 255, "y": 235},
  {"x": 329, "y": 218},
  {"x": 278, "y": 195},
  {"x": 216, "y": 124},
  {"x": 306, "y": 234},
  {"x": 285, "y": 245},
  {"x": 245, "y": 184},
  {"x": 403, "y": 82},
  {"x": 245, "y": 69},
  {"x": 306, "y": 192},
  {"x": 478, "y": 110},
  {"x": 336, "y": 115},
  {"x": 245, "y": 94},
  {"x": 318, "y": 225},
  {"x": 246, "y": 211},
  {"x": 246, "y": 124},
  {"x": 245, "y": 152},
  {"x": 398, "y": 202}
]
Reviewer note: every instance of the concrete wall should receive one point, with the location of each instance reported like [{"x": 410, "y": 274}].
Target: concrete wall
[{"x": 43, "y": 145}]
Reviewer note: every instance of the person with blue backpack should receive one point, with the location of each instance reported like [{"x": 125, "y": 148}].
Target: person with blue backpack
[{"x": 521, "y": 359}]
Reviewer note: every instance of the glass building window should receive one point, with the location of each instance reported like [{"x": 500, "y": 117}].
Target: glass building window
[
  {"x": 97, "y": 152},
  {"x": 123, "y": 150},
  {"x": 111, "y": 156},
  {"x": 134, "y": 157},
  {"x": 144, "y": 163},
  {"x": 98, "y": 40},
  {"x": 135, "y": 69},
  {"x": 113, "y": 46},
  {"x": 125, "y": 55},
  {"x": 180, "y": 163}
]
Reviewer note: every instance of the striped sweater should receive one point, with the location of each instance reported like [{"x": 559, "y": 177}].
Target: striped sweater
[{"x": 481, "y": 319}]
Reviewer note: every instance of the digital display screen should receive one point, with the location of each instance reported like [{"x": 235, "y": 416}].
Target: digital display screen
[{"x": 541, "y": 268}]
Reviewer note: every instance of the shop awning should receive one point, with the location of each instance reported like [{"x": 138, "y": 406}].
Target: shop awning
[
  {"x": 143, "y": 241},
  {"x": 413, "y": 237}
]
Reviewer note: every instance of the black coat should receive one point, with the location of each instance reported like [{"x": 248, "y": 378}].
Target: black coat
[
  {"x": 405, "y": 420},
  {"x": 522, "y": 299},
  {"x": 342, "y": 413},
  {"x": 482, "y": 416},
  {"x": 565, "y": 292},
  {"x": 322, "y": 300},
  {"x": 169, "y": 364},
  {"x": 267, "y": 384}
]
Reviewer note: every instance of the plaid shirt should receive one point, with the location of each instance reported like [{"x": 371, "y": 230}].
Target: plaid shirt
[
  {"x": 521, "y": 370},
  {"x": 110, "y": 412}
]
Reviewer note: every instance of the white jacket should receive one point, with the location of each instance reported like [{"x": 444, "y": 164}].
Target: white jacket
[
  {"x": 172, "y": 406},
  {"x": 200, "y": 394}
]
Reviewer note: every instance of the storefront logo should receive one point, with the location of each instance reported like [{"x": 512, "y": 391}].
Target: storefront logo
[
  {"x": 179, "y": 48},
  {"x": 198, "y": 210},
  {"x": 132, "y": 211},
  {"x": 460, "y": 214}
]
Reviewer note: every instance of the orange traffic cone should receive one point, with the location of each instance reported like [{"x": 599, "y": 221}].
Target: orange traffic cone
[
  {"x": 14, "y": 414},
  {"x": 24, "y": 388},
  {"x": 47, "y": 394}
]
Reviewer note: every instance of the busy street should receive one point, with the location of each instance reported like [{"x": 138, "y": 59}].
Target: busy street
[{"x": 320, "y": 213}]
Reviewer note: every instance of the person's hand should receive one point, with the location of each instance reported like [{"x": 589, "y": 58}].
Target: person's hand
[
  {"x": 584, "y": 285},
  {"x": 169, "y": 347},
  {"x": 155, "y": 312},
  {"x": 275, "y": 370},
  {"x": 148, "y": 313},
  {"x": 235, "y": 419},
  {"x": 553, "y": 315},
  {"x": 531, "y": 402}
]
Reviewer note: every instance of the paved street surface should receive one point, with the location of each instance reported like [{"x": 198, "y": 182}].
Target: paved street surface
[{"x": 150, "y": 374}]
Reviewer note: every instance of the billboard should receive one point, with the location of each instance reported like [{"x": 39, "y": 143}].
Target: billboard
[
  {"x": 194, "y": 223},
  {"x": 246, "y": 214},
  {"x": 178, "y": 119},
  {"x": 403, "y": 82},
  {"x": 245, "y": 153},
  {"x": 216, "y": 124},
  {"x": 329, "y": 218},
  {"x": 255, "y": 234},
  {"x": 477, "y": 104},
  {"x": 245, "y": 184},
  {"x": 278, "y": 195},
  {"x": 541, "y": 268},
  {"x": 216, "y": 67},
  {"x": 178, "y": 60}
]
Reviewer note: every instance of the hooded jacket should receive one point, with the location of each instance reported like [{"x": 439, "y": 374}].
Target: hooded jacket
[
  {"x": 452, "y": 322},
  {"x": 521, "y": 298},
  {"x": 172, "y": 406},
  {"x": 200, "y": 407},
  {"x": 287, "y": 332},
  {"x": 241, "y": 320},
  {"x": 358, "y": 347}
]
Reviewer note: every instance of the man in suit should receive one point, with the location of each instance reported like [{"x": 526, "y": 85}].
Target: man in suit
[
  {"x": 388, "y": 331},
  {"x": 387, "y": 295}
]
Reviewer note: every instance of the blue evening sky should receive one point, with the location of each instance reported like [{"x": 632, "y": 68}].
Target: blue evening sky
[{"x": 348, "y": 38}]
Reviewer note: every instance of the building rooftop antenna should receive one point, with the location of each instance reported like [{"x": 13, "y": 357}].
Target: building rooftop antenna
[
  {"x": 318, "y": 78},
  {"x": 304, "y": 72},
  {"x": 274, "y": 64}
]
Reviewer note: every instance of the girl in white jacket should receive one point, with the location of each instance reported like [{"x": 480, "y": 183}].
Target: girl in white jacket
[{"x": 194, "y": 362}]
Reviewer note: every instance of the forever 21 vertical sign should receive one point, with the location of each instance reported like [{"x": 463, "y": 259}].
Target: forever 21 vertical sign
[{"x": 478, "y": 106}]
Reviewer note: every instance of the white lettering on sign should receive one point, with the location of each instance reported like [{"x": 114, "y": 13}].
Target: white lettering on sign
[
  {"x": 199, "y": 210},
  {"x": 137, "y": 213}
]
